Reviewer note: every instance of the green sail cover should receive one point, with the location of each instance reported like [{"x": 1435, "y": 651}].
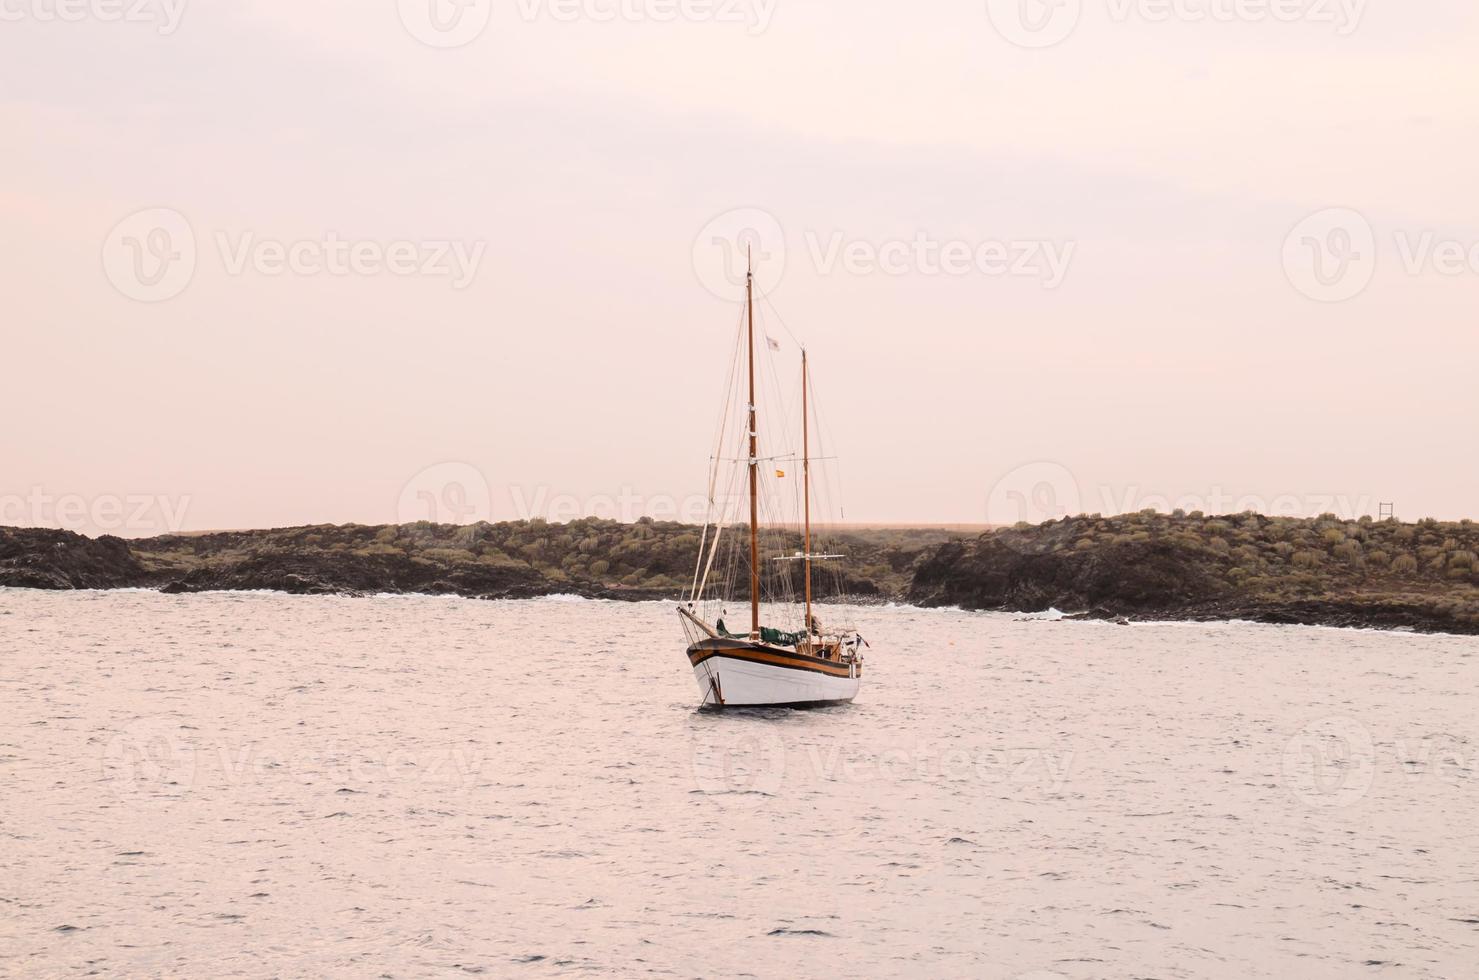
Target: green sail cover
[
  {"x": 767, "y": 635},
  {"x": 779, "y": 639}
]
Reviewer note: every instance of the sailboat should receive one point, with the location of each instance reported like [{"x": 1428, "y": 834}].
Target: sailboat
[{"x": 764, "y": 666}]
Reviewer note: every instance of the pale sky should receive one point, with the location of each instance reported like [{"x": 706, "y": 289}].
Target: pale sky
[{"x": 530, "y": 322}]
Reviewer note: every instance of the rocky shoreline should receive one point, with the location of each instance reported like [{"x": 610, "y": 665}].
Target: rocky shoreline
[
  {"x": 1154, "y": 567},
  {"x": 61, "y": 560},
  {"x": 590, "y": 558},
  {"x": 1143, "y": 567},
  {"x": 1354, "y": 613}
]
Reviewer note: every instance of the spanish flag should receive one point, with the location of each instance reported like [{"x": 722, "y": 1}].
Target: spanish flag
[{"x": 780, "y": 474}]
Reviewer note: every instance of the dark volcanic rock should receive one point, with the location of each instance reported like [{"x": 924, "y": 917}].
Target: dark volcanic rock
[
  {"x": 36, "y": 558},
  {"x": 1319, "y": 572},
  {"x": 592, "y": 558},
  {"x": 1145, "y": 566},
  {"x": 317, "y": 572},
  {"x": 992, "y": 573}
]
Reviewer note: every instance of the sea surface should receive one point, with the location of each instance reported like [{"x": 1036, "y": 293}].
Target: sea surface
[{"x": 256, "y": 785}]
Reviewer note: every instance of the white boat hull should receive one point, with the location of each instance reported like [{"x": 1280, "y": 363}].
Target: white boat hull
[{"x": 750, "y": 675}]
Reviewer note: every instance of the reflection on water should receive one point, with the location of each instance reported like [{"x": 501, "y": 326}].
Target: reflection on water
[{"x": 250, "y": 785}]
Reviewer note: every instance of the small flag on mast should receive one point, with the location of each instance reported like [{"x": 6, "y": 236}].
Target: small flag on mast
[
  {"x": 780, "y": 474},
  {"x": 772, "y": 343}
]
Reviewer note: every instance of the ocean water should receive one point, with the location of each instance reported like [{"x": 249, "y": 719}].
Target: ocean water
[{"x": 254, "y": 785}]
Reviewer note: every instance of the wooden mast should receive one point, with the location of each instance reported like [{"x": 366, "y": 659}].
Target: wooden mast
[
  {"x": 754, "y": 461},
  {"x": 806, "y": 491}
]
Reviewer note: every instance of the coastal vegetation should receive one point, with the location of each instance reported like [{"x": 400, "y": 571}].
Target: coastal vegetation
[
  {"x": 591, "y": 557},
  {"x": 1191, "y": 566},
  {"x": 1324, "y": 570}
]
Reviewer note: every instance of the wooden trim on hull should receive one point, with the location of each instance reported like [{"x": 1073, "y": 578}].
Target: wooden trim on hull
[{"x": 770, "y": 656}]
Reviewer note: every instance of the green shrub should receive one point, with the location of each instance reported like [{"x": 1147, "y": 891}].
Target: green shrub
[{"x": 451, "y": 555}]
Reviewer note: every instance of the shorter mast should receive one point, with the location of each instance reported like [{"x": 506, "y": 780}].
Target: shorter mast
[{"x": 806, "y": 485}]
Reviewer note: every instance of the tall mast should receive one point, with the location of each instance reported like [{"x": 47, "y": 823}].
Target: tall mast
[
  {"x": 806, "y": 482},
  {"x": 754, "y": 462}
]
